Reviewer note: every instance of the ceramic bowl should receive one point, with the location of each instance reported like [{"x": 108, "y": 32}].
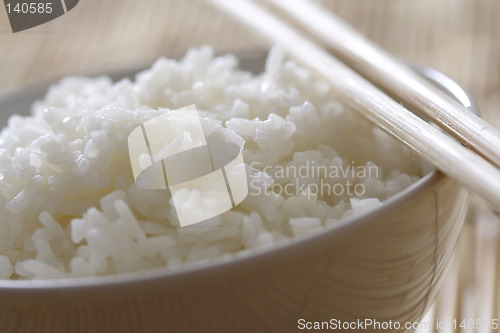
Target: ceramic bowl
[{"x": 385, "y": 265}]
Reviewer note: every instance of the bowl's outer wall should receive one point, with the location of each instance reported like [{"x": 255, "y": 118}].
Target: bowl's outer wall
[{"x": 388, "y": 268}]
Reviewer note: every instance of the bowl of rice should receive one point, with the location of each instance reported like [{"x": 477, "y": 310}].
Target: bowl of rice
[{"x": 341, "y": 222}]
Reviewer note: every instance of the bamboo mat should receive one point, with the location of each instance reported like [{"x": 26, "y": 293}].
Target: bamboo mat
[{"x": 457, "y": 37}]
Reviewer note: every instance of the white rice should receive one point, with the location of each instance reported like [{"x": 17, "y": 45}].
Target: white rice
[{"x": 69, "y": 205}]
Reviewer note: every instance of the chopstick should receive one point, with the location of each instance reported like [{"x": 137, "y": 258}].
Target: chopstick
[
  {"x": 395, "y": 78},
  {"x": 448, "y": 155}
]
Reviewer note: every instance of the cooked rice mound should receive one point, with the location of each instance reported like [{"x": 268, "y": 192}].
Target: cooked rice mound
[{"x": 69, "y": 205}]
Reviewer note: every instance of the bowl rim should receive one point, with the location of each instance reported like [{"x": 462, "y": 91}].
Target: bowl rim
[{"x": 257, "y": 256}]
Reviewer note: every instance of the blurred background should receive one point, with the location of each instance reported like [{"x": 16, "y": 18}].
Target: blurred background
[{"x": 456, "y": 37}]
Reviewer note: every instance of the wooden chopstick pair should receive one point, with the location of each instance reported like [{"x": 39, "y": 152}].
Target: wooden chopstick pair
[
  {"x": 468, "y": 168},
  {"x": 395, "y": 78}
]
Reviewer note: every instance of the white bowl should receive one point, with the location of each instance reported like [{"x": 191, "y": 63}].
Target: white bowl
[{"x": 384, "y": 265}]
